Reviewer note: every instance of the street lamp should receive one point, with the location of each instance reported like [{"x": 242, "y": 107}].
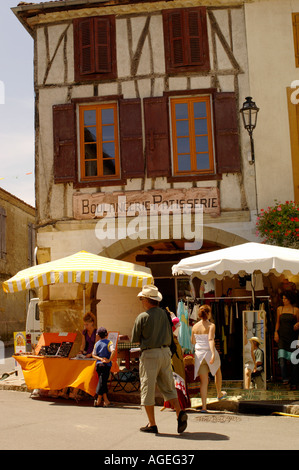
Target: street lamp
[{"x": 249, "y": 112}]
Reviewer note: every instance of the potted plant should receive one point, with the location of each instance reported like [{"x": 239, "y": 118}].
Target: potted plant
[{"x": 279, "y": 224}]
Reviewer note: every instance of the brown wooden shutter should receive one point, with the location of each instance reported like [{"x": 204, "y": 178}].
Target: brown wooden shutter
[
  {"x": 226, "y": 133},
  {"x": 186, "y": 39},
  {"x": 84, "y": 46},
  {"x": 64, "y": 130},
  {"x": 196, "y": 36},
  {"x": 102, "y": 45},
  {"x": 157, "y": 147},
  {"x": 176, "y": 38},
  {"x": 296, "y": 37},
  {"x": 130, "y": 126},
  {"x": 95, "y": 48},
  {"x": 2, "y": 233}
]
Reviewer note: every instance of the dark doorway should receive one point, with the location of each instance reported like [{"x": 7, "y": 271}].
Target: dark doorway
[{"x": 167, "y": 289}]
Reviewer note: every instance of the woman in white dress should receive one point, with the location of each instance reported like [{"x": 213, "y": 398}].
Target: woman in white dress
[{"x": 206, "y": 356}]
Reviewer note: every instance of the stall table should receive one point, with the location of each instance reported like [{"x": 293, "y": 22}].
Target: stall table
[
  {"x": 56, "y": 373},
  {"x": 124, "y": 352}
]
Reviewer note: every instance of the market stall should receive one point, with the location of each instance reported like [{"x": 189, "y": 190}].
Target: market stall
[
  {"x": 240, "y": 315},
  {"x": 53, "y": 369}
]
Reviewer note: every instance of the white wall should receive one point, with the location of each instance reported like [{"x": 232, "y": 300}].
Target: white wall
[{"x": 272, "y": 69}]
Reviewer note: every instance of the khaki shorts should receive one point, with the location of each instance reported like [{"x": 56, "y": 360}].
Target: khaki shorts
[
  {"x": 155, "y": 368},
  {"x": 204, "y": 368}
]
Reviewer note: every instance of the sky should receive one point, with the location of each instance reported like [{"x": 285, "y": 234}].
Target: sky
[{"x": 16, "y": 105}]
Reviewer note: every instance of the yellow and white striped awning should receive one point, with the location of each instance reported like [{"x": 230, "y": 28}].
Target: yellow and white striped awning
[{"x": 82, "y": 267}]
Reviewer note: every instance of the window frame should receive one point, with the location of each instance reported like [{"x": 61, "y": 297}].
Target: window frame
[
  {"x": 100, "y": 177},
  {"x": 111, "y": 49},
  {"x": 295, "y": 22},
  {"x": 190, "y": 100},
  {"x": 187, "y": 65},
  {"x": 3, "y": 216}
]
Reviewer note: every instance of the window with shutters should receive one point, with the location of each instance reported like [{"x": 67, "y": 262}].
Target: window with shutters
[
  {"x": 186, "y": 40},
  {"x": 192, "y": 139},
  {"x": 98, "y": 141},
  {"x": 2, "y": 233},
  {"x": 94, "y": 48},
  {"x": 295, "y": 18},
  {"x": 191, "y": 135},
  {"x": 99, "y": 146}
]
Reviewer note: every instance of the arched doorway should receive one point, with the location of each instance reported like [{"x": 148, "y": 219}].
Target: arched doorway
[{"x": 160, "y": 256}]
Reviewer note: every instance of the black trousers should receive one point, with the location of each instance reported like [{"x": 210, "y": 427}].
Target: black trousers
[{"x": 103, "y": 372}]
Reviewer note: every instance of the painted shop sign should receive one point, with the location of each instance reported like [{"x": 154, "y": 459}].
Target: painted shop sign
[{"x": 130, "y": 203}]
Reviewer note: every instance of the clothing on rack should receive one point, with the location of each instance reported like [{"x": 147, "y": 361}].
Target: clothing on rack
[
  {"x": 184, "y": 335},
  {"x": 228, "y": 318}
]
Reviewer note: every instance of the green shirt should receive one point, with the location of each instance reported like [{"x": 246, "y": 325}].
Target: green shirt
[{"x": 152, "y": 329}]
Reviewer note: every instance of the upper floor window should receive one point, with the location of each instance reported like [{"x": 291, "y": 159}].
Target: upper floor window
[
  {"x": 186, "y": 136},
  {"x": 2, "y": 233},
  {"x": 99, "y": 150},
  {"x": 296, "y": 37},
  {"x": 94, "y": 48},
  {"x": 186, "y": 40},
  {"x": 192, "y": 139}
]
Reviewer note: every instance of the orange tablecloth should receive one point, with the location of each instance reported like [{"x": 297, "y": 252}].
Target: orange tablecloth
[{"x": 57, "y": 373}]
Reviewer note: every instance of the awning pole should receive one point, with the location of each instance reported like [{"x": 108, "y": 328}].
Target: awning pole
[{"x": 84, "y": 290}]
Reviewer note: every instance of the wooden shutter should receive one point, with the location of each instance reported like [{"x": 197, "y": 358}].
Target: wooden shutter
[
  {"x": 226, "y": 133},
  {"x": 95, "y": 48},
  {"x": 196, "y": 36},
  {"x": 296, "y": 37},
  {"x": 102, "y": 45},
  {"x": 2, "y": 233},
  {"x": 64, "y": 133},
  {"x": 130, "y": 126},
  {"x": 157, "y": 147},
  {"x": 176, "y": 38},
  {"x": 86, "y": 46},
  {"x": 186, "y": 39}
]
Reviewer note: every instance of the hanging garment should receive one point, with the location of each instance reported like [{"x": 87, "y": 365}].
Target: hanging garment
[
  {"x": 224, "y": 341},
  {"x": 194, "y": 314},
  {"x": 184, "y": 335},
  {"x": 231, "y": 320},
  {"x": 226, "y": 315},
  {"x": 237, "y": 311}
]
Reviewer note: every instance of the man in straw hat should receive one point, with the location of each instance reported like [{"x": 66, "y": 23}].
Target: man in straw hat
[
  {"x": 259, "y": 360},
  {"x": 152, "y": 330}
]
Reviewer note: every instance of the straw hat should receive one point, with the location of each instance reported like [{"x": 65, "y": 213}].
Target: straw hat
[
  {"x": 150, "y": 292},
  {"x": 256, "y": 339}
]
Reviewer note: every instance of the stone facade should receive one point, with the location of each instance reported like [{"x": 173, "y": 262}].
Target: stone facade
[
  {"x": 241, "y": 42},
  {"x": 17, "y": 248}
]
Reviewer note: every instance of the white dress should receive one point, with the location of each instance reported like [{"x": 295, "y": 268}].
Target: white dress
[{"x": 202, "y": 351}]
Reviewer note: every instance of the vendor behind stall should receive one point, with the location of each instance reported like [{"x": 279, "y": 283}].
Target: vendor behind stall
[{"x": 88, "y": 335}]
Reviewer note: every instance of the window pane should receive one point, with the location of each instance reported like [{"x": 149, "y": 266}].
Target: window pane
[
  {"x": 199, "y": 110},
  {"x": 108, "y": 116},
  {"x": 90, "y": 168},
  {"x": 90, "y": 117},
  {"x": 109, "y": 167},
  {"x": 202, "y": 144},
  {"x": 202, "y": 161},
  {"x": 90, "y": 134},
  {"x": 108, "y": 150},
  {"x": 182, "y": 128},
  {"x": 108, "y": 133},
  {"x": 184, "y": 162},
  {"x": 183, "y": 145},
  {"x": 90, "y": 151},
  {"x": 201, "y": 126},
  {"x": 181, "y": 111}
]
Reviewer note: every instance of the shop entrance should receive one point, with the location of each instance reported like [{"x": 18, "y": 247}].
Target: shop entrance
[{"x": 227, "y": 298}]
